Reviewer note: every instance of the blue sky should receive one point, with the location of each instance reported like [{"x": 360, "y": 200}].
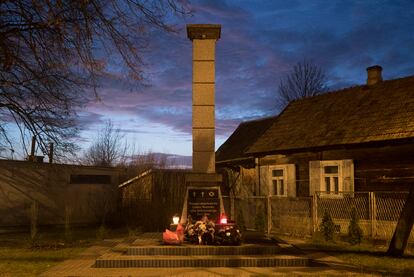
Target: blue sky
[{"x": 260, "y": 42}]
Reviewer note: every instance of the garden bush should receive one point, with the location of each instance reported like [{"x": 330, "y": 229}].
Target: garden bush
[
  {"x": 327, "y": 226},
  {"x": 355, "y": 233}
]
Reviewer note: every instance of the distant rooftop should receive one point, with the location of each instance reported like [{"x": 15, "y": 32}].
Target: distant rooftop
[
  {"x": 243, "y": 137},
  {"x": 361, "y": 114}
]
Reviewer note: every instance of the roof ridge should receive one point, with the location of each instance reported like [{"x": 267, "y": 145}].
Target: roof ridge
[
  {"x": 259, "y": 119},
  {"x": 331, "y": 118},
  {"x": 352, "y": 87}
]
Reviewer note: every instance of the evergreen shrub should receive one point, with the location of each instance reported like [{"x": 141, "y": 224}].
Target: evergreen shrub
[
  {"x": 327, "y": 226},
  {"x": 355, "y": 233}
]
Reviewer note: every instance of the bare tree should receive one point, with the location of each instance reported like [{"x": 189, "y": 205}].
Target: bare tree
[
  {"x": 135, "y": 164},
  {"x": 149, "y": 160},
  {"x": 53, "y": 52},
  {"x": 108, "y": 148},
  {"x": 305, "y": 80}
]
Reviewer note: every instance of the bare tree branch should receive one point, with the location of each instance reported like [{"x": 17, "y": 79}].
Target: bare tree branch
[
  {"x": 305, "y": 80},
  {"x": 53, "y": 52}
]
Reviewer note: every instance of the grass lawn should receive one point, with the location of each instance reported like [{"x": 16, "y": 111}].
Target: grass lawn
[
  {"x": 367, "y": 255},
  {"x": 378, "y": 262},
  {"x": 19, "y": 256},
  {"x": 28, "y": 262}
]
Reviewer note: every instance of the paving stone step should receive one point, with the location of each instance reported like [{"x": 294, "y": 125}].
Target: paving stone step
[
  {"x": 115, "y": 260},
  {"x": 184, "y": 250}
]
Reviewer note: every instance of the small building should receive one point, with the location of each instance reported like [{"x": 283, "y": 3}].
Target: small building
[
  {"x": 359, "y": 138},
  {"x": 57, "y": 193}
]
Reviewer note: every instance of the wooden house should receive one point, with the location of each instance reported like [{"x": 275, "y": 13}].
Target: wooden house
[{"x": 355, "y": 139}]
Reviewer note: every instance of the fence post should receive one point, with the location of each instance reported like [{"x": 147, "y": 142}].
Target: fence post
[
  {"x": 314, "y": 209},
  {"x": 232, "y": 215},
  {"x": 373, "y": 213},
  {"x": 269, "y": 215}
]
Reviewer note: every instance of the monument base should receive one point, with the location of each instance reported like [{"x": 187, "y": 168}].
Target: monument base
[{"x": 203, "y": 197}]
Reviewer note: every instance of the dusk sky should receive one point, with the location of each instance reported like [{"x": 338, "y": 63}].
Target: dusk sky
[{"x": 260, "y": 42}]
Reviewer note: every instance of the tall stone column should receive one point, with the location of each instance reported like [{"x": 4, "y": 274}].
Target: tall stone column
[{"x": 204, "y": 37}]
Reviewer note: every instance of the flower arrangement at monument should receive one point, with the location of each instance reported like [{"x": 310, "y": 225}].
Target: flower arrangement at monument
[
  {"x": 229, "y": 235},
  {"x": 204, "y": 232},
  {"x": 201, "y": 232}
]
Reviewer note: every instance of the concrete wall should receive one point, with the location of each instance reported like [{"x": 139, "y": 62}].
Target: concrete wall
[{"x": 85, "y": 194}]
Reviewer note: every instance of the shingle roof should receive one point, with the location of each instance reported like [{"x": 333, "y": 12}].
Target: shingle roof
[
  {"x": 242, "y": 138},
  {"x": 360, "y": 114}
]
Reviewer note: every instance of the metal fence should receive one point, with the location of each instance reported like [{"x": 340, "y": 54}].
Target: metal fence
[
  {"x": 292, "y": 216},
  {"x": 377, "y": 212},
  {"x": 250, "y": 213}
]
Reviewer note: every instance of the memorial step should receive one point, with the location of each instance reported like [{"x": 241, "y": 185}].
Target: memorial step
[
  {"x": 116, "y": 260},
  {"x": 199, "y": 250}
]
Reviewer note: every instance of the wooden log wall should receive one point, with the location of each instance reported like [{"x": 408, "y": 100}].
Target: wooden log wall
[
  {"x": 381, "y": 168},
  {"x": 151, "y": 201}
]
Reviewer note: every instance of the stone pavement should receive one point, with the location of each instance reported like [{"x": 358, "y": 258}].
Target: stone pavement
[{"x": 82, "y": 265}]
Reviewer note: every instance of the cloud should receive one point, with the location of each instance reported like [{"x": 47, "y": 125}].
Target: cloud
[
  {"x": 261, "y": 41},
  {"x": 87, "y": 119}
]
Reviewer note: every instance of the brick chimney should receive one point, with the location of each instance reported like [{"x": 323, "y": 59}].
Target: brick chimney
[
  {"x": 204, "y": 37},
  {"x": 374, "y": 75}
]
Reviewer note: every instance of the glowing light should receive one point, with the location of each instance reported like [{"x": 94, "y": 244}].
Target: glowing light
[
  {"x": 223, "y": 219},
  {"x": 176, "y": 219}
]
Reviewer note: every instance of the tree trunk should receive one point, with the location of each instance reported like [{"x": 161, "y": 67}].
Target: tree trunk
[{"x": 403, "y": 229}]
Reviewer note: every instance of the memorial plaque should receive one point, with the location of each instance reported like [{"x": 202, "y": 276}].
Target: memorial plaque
[{"x": 203, "y": 201}]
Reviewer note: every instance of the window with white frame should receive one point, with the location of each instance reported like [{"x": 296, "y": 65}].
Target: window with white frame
[
  {"x": 278, "y": 181},
  {"x": 332, "y": 177}
]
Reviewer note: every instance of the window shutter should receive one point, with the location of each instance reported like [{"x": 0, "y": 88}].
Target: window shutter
[
  {"x": 264, "y": 180},
  {"x": 314, "y": 177},
  {"x": 291, "y": 180},
  {"x": 348, "y": 175}
]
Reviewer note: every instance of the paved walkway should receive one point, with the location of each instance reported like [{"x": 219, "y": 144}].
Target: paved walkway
[{"x": 83, "y": 266}]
